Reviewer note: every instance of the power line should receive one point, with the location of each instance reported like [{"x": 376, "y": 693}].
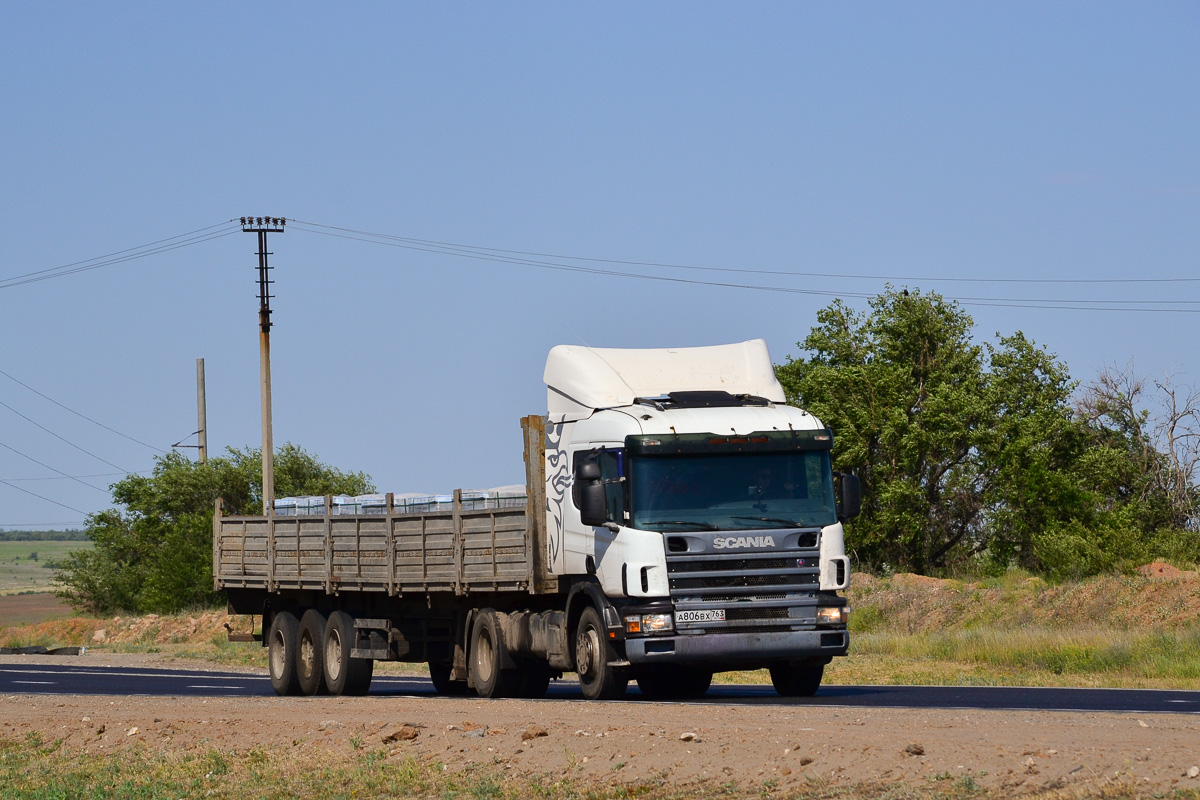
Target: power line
[
  {"x": 60, "y": 438},
  {"x": 73, "y": 477},
  {"x": 669, "y": 265},
  {"x": 81, "y": 416},
  {"x": 561, "y": 262},
  {"x": 1002, "y": 302},
  {"x": 40, "y": 497},
  {"x": 199, "y": 236},
  {"x": 52, "y": 469}
]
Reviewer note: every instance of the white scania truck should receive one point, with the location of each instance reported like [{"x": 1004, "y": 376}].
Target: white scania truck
[{"x": 680, "y": 520}]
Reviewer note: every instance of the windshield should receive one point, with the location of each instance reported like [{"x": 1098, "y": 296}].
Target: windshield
[{"x": 732, "y": 491}]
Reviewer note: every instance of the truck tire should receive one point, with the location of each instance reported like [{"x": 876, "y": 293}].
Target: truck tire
[
  {"x": 797, "y": 678},
  {"x": 439, "y": 675},
  {"x": 534, "y": 680},
  {"x": 674, "y": 683},
  {"x": 281, "y": 653},
  {"x": 310, "y": 661},
  {"x": 487, "y": 655},
  {"x": 344, "y": 675},
  {"x": 593, "y": 657}
]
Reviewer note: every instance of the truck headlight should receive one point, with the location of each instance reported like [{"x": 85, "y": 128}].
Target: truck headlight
[
  {"x": 649, "y": 623},
  {"x": 833, "y": 615}
]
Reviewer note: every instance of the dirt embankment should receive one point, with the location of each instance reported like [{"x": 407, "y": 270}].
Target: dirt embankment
[
  {"x": 1158, "y": 596},
  {"x": 151, "y": 629}
]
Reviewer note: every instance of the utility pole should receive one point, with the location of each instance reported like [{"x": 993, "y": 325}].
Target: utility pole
[
  {"x": 262, "y": 226},
  {"x": 201, "y": 411}
]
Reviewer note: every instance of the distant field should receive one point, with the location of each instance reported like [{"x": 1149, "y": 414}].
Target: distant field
[
  {"x": 23, "y": 565},
  {"x": 31, "y": 609}
]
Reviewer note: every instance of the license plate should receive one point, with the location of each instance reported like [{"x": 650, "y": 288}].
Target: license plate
[{"x": 702, "y": 615}]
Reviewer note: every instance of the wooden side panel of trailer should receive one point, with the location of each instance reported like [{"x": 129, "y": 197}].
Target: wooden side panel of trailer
[
  {"x": 460, "y": 551},
  {"x": 475, "y": 551}
]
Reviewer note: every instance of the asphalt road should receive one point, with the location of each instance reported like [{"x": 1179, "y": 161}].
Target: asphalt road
[{"x": 86, "y": 679}]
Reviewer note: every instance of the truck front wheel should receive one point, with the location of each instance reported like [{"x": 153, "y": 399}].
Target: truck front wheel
[
  {"x": 281, "y": 653},
  {"x": 344, "y": 675},
  {"x": 598, "y": 679},
  {"x": 797, "y": 678}
]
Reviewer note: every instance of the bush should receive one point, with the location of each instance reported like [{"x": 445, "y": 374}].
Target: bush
[{"x": 155, "y": 554}]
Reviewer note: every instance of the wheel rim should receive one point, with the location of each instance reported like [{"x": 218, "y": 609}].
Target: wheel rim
[
  {"x": 333, "y": 654},
  {"x": 586, "y": 651},
  {"x": 485, "y": 655},
  {"x": 308, "y": 656},
  {"x": 278, "y": 655}
]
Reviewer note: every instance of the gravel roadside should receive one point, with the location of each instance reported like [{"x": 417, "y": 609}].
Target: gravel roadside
[{"x": 1011, "y": 752}]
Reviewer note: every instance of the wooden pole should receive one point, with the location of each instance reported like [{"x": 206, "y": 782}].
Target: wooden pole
[
  {"x": 262, "y": 226},
  {"x": 201, "y": 411},
  {"x": 268, "y": 447}
]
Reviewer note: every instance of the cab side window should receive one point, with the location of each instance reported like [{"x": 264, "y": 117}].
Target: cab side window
[
  {"x": 612, "y": 472},
  {"x": 612, "y": 477}
]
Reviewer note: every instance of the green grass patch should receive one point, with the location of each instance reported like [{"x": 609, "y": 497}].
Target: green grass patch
[
  {"x": 1080, "y": 651},
  {"x": 1083, "y": 656}
]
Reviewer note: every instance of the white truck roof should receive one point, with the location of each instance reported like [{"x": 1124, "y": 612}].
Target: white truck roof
[{"x": 581, "y": 379}]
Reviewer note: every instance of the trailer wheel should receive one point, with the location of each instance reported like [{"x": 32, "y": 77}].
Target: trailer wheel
[
  {"x": 487, "y": 654},
  {"x": 281, "y": 653},
  {"x": 797, "y": 678},
  {"x": 439, "y": 674},
  {"x": 680, "y": 683},
  {"x": 344, "y": 675},
  {"x": 593, "y": 656},
  {"x": 310, "y": 661}
]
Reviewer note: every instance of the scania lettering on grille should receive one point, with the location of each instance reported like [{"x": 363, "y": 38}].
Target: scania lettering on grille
[{"x": 731, "y": 542}]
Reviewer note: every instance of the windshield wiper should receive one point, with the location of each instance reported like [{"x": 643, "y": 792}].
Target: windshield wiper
[
  {"x": 700, "y": 526},
  {"x": 785, "y": 522}
]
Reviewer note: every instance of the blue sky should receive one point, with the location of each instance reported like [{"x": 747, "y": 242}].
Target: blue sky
[{"x": 918, "y": 142}]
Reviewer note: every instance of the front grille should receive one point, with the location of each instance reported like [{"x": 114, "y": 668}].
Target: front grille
[
  {"x": 731, "y": 565},
  {"x": 718, "y": 576},
  {"x": 742, "y": 581}
]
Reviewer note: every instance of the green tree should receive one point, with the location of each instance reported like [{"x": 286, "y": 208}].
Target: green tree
[
  {"x": 987, "y": 455},
  {"x": 1138, "y": 468},
  {"x": 154, "y": 553},
  {"x": 966, "y": 453},
  {"x": 1028, "y": 453},
  {"x": 903, "y": 389}
]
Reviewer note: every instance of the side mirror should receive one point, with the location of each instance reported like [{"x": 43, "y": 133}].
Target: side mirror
[
  {"x": 850, "y": 499},
  {"x": 588, "y": 493}
]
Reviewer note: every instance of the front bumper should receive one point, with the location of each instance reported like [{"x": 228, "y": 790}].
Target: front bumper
[{"x": 748, "y": 647}]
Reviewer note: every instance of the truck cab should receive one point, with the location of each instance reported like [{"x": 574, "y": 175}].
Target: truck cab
[{"x": 705, "y": 509}]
